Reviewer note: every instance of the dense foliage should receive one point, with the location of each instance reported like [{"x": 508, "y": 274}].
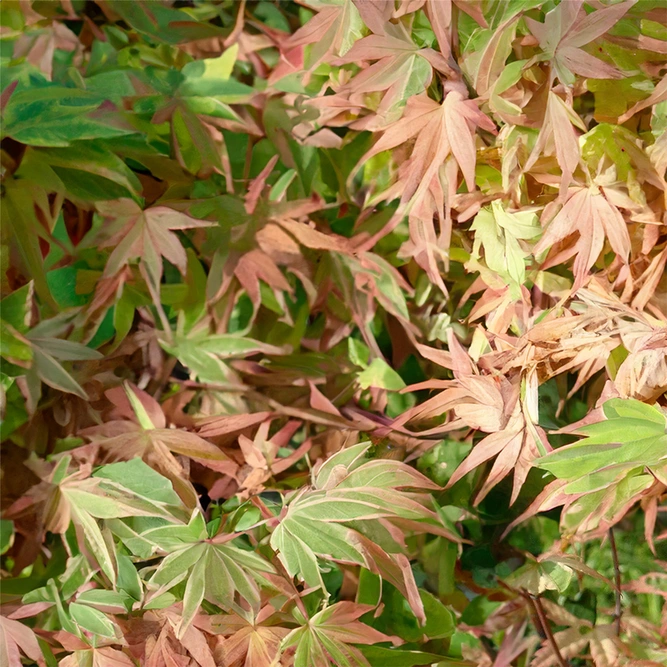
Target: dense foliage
[{"x": 334, "y": 333}]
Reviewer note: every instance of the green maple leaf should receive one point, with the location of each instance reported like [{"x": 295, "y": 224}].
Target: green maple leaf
[{"x": 214, "y": 569}]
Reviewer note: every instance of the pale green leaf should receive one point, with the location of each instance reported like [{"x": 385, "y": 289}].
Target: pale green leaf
[
  {"x": 194, "y": 594},
  {"x": 205, "y": 77},
  {"x": 380, "y": 374},
  {"x": 92, "y": 620},
  {"x": 53, "y": 374}
]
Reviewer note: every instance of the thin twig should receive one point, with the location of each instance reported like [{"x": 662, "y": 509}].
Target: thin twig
[
  {"x": 533, "y": 614},
  {"x": 618, "y": 610},
  {"x": 536, "y": 605}
]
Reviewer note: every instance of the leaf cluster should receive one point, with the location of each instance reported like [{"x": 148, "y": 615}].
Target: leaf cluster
[{"x": 333, "y": 333}]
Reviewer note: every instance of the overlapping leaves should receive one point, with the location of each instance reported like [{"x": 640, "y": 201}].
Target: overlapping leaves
[
  {"x": 351, "y": 516},
  {"x": 619, "y": 462},
  {"x": 240, "y": 238}
]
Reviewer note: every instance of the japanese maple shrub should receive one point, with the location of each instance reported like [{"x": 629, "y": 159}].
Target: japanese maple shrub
[{"x": 334, "y": 333}]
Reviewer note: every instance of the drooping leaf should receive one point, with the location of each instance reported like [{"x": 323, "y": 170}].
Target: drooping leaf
[
  {"x": 17, "y": 639},
  {"x": 329, "y": 636}
]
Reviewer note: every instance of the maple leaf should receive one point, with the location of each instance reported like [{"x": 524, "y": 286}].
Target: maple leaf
[
  {"x": 87, "y": 651},
  {"x": 589, "y": 213},
  {"x": 437, "y": 130},
  {"x": 612, "y": 468},
  {"x": 499, "y": 231},
  {"x": 214, "y": 567},
  {"x": 153, "y": 640},
  {"x": 148, "y": 438},
  {"x": 550, "y": 572},
  {"x": 230, "y": 425},
  {"x": 87, "y": 607},
  {"x": 558, "y": 133},
  {"x": 328, "y": 637},
  {"x": 587, "y": 341},
  {"x": 147, "y": 235},
  {"x": 432, "y": 132},
  {"x": 401, "y": 71},
  {"x": 198, "y": 106},
  {"x": 487, "y": 66},
  {"x": 658, "y": 95},
  {"x": 567, "y": 28},
  {"x": 332, "y": 31},
  {"x": 360, "y": 282},
  {"x": 64, "y": 497},
  {"x": 264, "y": 236},
  {"x": 40, "y": 349},
  {"x": 206, "y": 354},
  {"x": 16, "y": 638},
  {"x": 504, "y": 408},
  {"x": 250, "y": 640},
  {"x": 41, "y": 353},
  {"x": 348, "y": 517}
]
